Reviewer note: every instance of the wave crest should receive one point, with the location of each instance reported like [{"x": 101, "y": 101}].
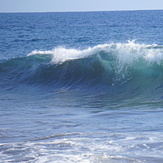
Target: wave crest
[{"x": 124, "y": 52}]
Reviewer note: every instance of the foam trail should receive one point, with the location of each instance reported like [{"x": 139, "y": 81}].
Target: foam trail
[
  {"x": 124, "y": 52},
  {"x": 39, "y": 52}
]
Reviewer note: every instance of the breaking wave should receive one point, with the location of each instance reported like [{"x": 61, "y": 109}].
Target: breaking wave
[{"x": 135, "y": 67}]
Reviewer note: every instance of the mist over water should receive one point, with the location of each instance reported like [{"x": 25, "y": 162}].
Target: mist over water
[{"x": 81, "y": 87}]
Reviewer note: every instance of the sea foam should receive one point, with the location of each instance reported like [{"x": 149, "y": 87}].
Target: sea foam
[{"x": 124, "y": 52}]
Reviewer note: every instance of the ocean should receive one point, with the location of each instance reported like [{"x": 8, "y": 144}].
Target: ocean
[{"x": 83, "y": 87}]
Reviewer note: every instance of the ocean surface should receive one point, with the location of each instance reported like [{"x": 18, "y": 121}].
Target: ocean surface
[{"x": 83, "y": 87}]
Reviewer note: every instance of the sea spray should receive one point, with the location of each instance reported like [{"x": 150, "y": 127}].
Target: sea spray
[{"x": 124, "y": 52}]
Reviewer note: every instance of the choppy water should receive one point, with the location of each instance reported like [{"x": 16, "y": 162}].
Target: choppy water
[{"x": 81, "y": 87}]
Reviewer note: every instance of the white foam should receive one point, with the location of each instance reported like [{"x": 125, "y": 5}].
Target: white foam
[
  {"x": 88, "y": 147},
  {"x": 124, "y": 52},
  {"x": 61, "y": 54}
]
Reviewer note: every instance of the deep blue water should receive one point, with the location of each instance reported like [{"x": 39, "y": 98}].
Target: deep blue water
[{"x": 81, "y": 87}]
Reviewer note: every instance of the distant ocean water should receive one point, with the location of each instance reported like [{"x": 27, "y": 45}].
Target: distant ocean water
[{"x": 81, "y": 87}]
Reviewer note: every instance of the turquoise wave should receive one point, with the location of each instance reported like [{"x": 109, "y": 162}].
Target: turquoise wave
[{"x": 128, "y": 68}]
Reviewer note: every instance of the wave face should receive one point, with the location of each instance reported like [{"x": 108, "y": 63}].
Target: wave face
[{"x": 135, "y": 67}]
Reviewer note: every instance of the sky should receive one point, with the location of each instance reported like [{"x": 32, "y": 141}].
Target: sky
[{"x": 77, "y": 5}]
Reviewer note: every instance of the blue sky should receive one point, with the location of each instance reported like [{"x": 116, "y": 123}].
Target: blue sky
[{"x": 77, "y": 5}]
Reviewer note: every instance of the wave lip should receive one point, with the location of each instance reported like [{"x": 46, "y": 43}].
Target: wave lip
[{"x": 124, "y": 52}]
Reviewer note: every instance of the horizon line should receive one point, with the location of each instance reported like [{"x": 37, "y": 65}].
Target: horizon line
[{"x": 14, "y": 12}]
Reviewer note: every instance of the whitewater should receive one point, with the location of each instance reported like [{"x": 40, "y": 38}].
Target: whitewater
[
  {"x": 125, "y": 52},
  {"x": 81, "y": 87}
]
